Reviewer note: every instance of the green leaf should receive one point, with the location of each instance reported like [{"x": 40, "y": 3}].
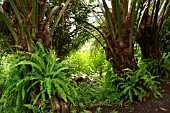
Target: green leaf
[
  {"x": 64, "y": 85},
  {"x": 133, "y": 21},
  {"x": 60, "y": 91},
  {"x": 48, "y": 85},
  {"x": 136, "y": 92},
  {"x": 18, "y": 98},
  {"x": 30, "y": 106},
  {"x": 35, "y": 15},
  {"x": 91, "y": 1},
  {"x": 24, "y": 8},
  {"x": 130, "y": 96},
  {"x": 39, "y": 60},
  {"x": 71, "y": 99},
  {"x": 17, "y": 14},
  {"x": 109, "y": 20},
  {"x": 33, "y": 84},
  {"x": 118, "y": 17},
  {"x": 43, "y": 96},
  {"x": 29, "y": 63},
  {"x": 37, "y": 97},
  {"x": 6, "y": 21},
  {"x": 23, "y": 92},
  {"x": 126, "y": 89}
]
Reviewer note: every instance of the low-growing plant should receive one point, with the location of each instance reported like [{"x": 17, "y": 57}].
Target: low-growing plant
[
  {"x": 89, "y": 94},
  {"x": 36, "y": 80},
  {"x": 90, "y": 62},
  {"x": 129, "y": 86},
  {"x": 111, "y": 93},
  {"x": 114, "y": 111},
  {"x": 158, "y": 67},
  {"x": 98, "y": 110}
]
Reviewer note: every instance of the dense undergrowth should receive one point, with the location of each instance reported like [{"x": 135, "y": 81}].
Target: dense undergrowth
[{"x": 40, "y": 82}]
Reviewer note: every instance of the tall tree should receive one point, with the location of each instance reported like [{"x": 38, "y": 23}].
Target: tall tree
[
  {"x": 49, "y": 22},
  {"x": 121, "y": 25}
]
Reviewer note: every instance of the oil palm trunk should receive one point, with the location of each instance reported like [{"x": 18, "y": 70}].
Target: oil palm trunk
[
  {"x": 28, "y": 23},
  {"x": 117, "y": 29}
]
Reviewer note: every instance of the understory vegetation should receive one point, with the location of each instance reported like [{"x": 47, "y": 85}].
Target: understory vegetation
[
  {"x": 41, "y": 82},
  {"x": 57, "y": 58}
]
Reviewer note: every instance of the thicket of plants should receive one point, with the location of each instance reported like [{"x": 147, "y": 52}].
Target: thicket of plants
[
  {"x": 41, "y": 82},
  {"x": 34, "y": 79}
]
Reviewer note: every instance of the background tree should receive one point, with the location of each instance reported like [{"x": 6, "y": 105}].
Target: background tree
[
  {"x": 121, "y": 25},
  {"x": 48, "y": 22}
]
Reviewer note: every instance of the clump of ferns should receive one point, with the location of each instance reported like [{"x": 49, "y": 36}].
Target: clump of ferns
[{"x": 36, "y": 79}]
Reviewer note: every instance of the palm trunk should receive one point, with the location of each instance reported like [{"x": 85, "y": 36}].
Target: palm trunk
[
  {"x": 121, "y": 58},
  {"x": 37, "y": 33}
]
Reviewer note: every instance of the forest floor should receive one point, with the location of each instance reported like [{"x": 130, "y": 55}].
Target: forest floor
[{"x": 151, "y": 105}]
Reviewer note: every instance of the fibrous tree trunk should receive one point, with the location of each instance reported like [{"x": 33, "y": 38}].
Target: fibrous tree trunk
[
  {"x": 34, "y": 27},
  {"x": 119, "y": 46},
  {"x": 120, "y": 56}
]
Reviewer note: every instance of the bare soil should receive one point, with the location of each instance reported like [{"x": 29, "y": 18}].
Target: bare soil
[{"x": 151, "y": 105}]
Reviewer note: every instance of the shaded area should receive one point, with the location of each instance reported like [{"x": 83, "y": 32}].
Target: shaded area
[{"x": 152, "y": 105}]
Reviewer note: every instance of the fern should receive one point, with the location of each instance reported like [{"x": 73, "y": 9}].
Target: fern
[{"x": 38, "y": 77}]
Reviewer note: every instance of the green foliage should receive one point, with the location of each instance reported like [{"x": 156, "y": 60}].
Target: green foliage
[
  {"x": 158, "y": 67},
  {"x": 89, "y": 61},
  {"x": 43, "y": 21},
  {"x": 129, "y": 86},
  {"x": 36, "y": 78},
  {"x": 114, "y": 111},
  {"x": 89, "y": 93},
  {"x": 98, "y": 110},
  {"x": 4, "y": 69},
  {"x": 165, "y": 35}
]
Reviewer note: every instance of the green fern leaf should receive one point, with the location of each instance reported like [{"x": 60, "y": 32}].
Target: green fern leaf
[
  {"x": 23, "y": 92},
  {"x": 36, "y": 98},
  {"x": 71, "y": 99},
  {"x": 126, "y": 89},
  {"x": 130, "y": 96},
  {"x": 29, "y": 63},
  {"x": 64, "y": 85},
  {"x": 43, "y": 96},
  {"x": 60, "y": 90},
  {"x": 18, "y": 99},
  {"x": 48, "y": 86},
  {"x": 39, "y": 60},
  {"x": 30, "y": 106},
  {"x": 33, "y": 84}
]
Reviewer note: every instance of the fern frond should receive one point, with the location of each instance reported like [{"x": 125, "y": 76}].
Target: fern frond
[
  {"x": 48, "y": 86},
  {"x": 30, "y": 63},
  {"x": 36, "y": 98},
  {"x": 64, "y": 85},
  {"x": 30, "y": 106},
  {"x": 23, "y": 92},
  {"x": 60, "y": 90},
  {"x": 71, "y": 99},
  {"x": 39, "y": 60},
  {"x": 18, "y": 99},
  {"x": 33, "y": 84}
]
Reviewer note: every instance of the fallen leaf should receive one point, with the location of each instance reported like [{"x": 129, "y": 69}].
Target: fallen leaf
[{"x": 163, "y": 109}]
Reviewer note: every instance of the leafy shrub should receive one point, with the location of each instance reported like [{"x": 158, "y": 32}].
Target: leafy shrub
[
  {"x": 158, "y": 67},
  {"x": 165, "y": 36},
  {"x": 88, "y": 62},
  {"x": 89, "y": 94},
  {"x": 129, "y": 86},
  {"x": 4, "y": 69},
  {"x": 35, "y": 80}
]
